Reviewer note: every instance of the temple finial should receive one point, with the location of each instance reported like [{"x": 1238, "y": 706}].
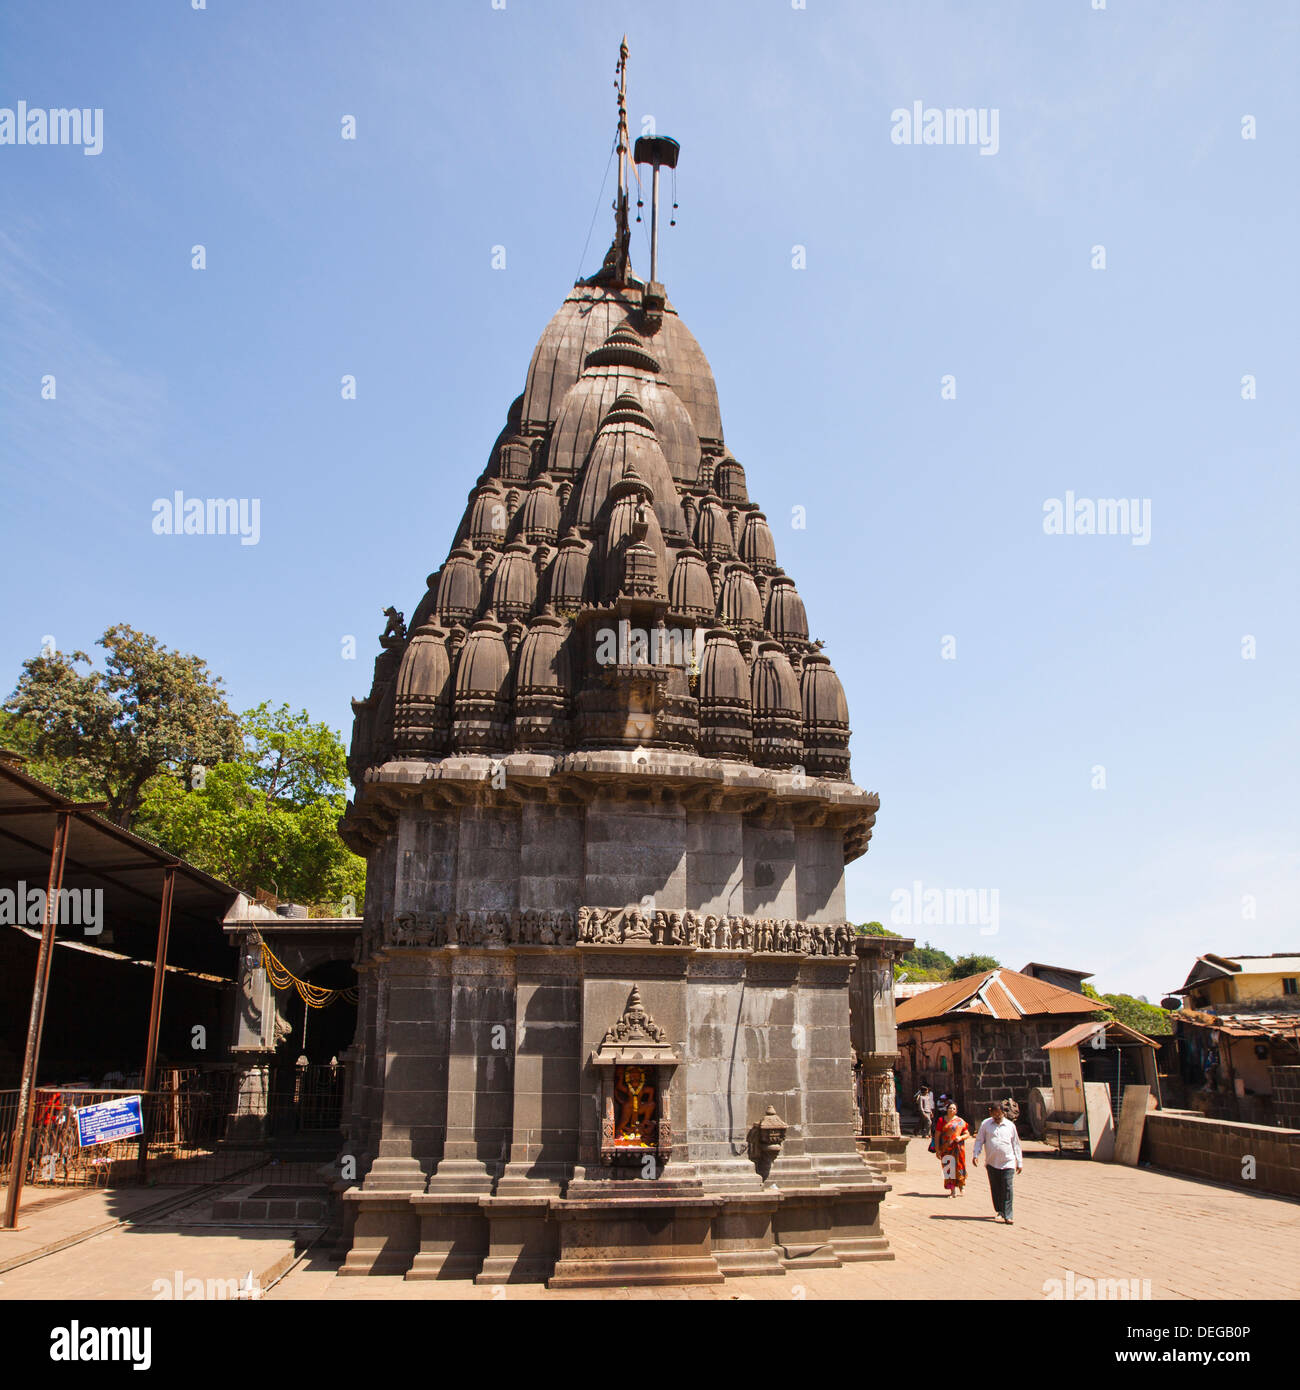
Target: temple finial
[{"x": 622, "y": 230}]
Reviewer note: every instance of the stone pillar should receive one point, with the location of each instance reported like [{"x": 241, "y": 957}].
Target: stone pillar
[
  {"x": 480, "y": 1059},
  {"x": 403, "y": 1021},
  {"x": 879, "y": 1111},
  {"x": 875, "y": 1047},
  {"x": 253, "y": 1046},
  {"x": 247, "y": 1122}
]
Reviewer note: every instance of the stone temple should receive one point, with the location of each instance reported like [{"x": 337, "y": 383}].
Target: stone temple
[{"x": 603, "y": 790}]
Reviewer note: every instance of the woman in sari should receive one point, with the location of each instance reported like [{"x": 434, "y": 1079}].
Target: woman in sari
[{"x": 950, "y": 1135}]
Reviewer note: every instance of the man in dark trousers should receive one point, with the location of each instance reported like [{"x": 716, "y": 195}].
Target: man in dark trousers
[{"x": 998, "y": 1138}]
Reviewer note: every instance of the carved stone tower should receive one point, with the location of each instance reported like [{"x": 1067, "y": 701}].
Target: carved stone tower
[{"x": 602, "y": 786}]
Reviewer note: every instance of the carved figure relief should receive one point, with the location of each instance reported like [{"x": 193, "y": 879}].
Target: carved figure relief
[{"x": 608, "y": 926}]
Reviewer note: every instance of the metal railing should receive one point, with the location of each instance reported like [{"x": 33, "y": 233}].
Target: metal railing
[{"x": 201, "y": 1125}]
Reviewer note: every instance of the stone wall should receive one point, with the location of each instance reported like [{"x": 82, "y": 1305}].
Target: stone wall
[
  {"x": 503, "y": 948},
  {"x": 1286, "y": 1095},
  {"x": 1002, "y": 1058},
  {"x": 1218, "y": 1150}
]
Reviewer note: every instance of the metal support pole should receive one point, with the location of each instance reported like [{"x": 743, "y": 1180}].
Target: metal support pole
[
  {"x": 36, "y": 1023},
  {"x": 155, "y": 1010},
  {"x": 654, "y": 225}
]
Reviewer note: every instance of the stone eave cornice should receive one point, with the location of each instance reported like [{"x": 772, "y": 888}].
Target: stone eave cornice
[
  {"x": 712, "y": 782},
  {"x": 578, "y": 778},
  {"x": 884, "y": 948}
]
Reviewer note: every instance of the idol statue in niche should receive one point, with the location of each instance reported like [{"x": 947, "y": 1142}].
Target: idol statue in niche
[{"x": 635, "y": 1097}]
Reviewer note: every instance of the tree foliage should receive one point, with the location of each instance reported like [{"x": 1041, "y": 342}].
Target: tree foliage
[
  {"x": 928, "y": 962},
  {"x": 973, "y": 965},
  {"x": 1146, "y": 1018},
  {"x": 269, "y": 817},
  {"x": 105, "y": 734},
  {"x": 20, "y": 735},
  {"x": 253, "y": 800}
]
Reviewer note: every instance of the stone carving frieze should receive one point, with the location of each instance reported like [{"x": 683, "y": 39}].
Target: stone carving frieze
[
  {"x": 630, "y": 926},
  {"x": 618, "y": 926}
]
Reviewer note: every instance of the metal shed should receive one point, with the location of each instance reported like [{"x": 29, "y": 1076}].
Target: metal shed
[{"x": 1092, "y": 1064}]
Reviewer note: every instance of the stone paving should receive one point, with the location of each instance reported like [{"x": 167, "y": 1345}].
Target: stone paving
[
  {"x": 1190, "y": 1239},
  {"x": 132, "y": 1260}
]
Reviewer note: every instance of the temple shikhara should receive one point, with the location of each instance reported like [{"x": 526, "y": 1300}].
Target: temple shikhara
[{"x": 603, "y": 789}]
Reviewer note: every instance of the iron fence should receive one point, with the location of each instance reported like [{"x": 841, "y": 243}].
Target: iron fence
[{"x": 277, "y": 1125}]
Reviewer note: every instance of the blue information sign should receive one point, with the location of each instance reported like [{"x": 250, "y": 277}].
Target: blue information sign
[{"x": 109, "y": 1120}]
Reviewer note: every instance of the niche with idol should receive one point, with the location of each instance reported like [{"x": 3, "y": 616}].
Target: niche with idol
[{"x": 634, "y": 1065}]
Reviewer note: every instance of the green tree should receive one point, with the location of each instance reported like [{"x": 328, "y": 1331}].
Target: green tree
[
  {"x": 108, "y": 733},
  {"x": 20, "y": 735},
  {"x": 972, "y": 965},
  {"x": 1148, "y": 1019},
  {"x": 269, "y": 817}
]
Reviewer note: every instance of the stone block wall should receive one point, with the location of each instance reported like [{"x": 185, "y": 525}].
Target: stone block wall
[
  {"x": 1218, "y": 1150},
  {"x": 1001, "y": 1059}
]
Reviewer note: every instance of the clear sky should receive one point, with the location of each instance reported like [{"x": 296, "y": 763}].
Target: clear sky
[{"x": 479, "y": 127}]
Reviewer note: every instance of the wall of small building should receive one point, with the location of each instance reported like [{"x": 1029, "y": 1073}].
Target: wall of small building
[
  {"x": 925, "y": 1054},
  {"x": 1257, "y": 988},
  {"x": 1006, "y": 1058},
  {"x": 1285, "y": 1082},
  {"x": 1240, "y": 1064},
  {"x": 1252, "y": 990},
  {"x": 996, "y": 1058}
]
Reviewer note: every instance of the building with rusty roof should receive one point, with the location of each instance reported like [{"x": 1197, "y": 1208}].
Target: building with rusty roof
[
  {"x": 981, "y": 1038},
  {"x": 1239, "y": 1032}
]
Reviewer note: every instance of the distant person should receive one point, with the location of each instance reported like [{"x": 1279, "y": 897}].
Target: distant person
[
  {"x": 998, "y": 1137},
  {"x": 925, "y": 1105},
  {"x": 950, "y": 1136}
]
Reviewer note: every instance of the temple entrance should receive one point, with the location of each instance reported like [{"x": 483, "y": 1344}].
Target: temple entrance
[{"x": 306, "y": 1084}]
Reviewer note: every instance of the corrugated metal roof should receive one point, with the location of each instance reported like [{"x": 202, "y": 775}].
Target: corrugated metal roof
[
  {"x": 1084, "y": 1032},
  {"x": 1000, "y": 993},
  {"x": 1267, "y": 965},
  {"x": 1245, "y": 1025},
  {"x": 1064, "y": 969},
  {"x": 913, "y": 987}
]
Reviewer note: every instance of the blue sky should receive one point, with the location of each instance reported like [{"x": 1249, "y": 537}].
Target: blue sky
[{"x": 479, "y": 127}]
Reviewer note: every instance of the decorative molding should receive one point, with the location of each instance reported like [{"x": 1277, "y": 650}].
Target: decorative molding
[{"x": 616, "y": 926}]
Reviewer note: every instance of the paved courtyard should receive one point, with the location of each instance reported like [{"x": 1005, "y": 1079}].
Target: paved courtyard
[{"x": 1093, "y": 1221}]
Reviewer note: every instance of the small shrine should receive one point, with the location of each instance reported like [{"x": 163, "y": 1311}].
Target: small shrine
[{"x": 635, "y": 1065}]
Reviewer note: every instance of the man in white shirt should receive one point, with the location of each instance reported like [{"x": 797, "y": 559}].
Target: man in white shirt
[{"x": 998, "y": 1136}]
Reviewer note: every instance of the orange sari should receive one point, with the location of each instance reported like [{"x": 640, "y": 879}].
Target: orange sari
[{"x": 950, "y": 1137}]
